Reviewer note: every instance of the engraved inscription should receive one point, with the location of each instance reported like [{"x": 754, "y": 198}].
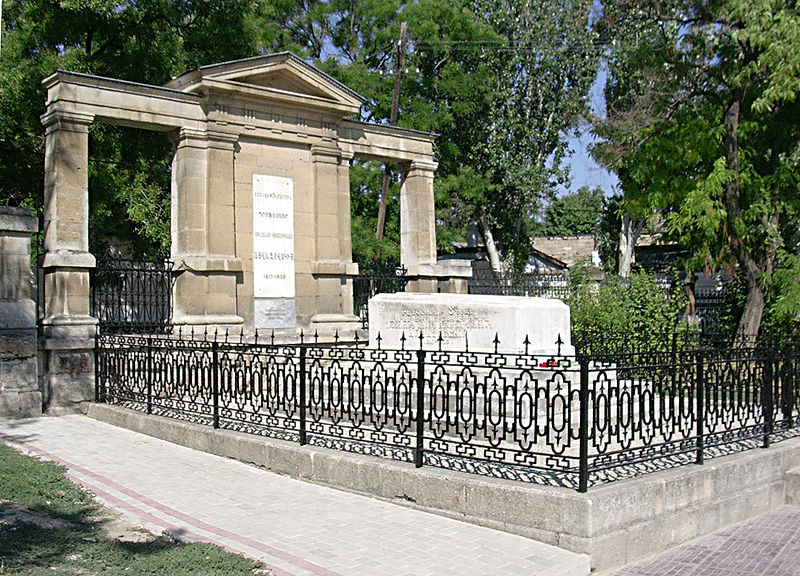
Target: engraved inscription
[
  {"x": 451, "y": 322},
  {"x": 273, "y": 237}
]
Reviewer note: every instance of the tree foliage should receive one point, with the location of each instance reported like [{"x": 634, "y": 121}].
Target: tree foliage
[
  {"x": 144, "y": 41},
  {"x": 574, "y": 213},
  {"x": 702, "y": 128},
  {"x": 637, "y": 306}
]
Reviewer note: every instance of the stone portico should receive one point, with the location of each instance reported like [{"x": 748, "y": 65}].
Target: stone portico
[{"x": 261, "y": 232}]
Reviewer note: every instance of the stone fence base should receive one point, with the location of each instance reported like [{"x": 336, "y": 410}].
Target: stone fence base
[{"x": 616, "y": 524}]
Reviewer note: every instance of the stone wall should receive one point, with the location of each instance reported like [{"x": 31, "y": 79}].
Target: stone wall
[
  {"x": 19, "y": 389},
  {"x": 568, "y": 249}
]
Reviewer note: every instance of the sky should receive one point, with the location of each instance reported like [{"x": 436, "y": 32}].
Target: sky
[{"x": 584, "y": 170}]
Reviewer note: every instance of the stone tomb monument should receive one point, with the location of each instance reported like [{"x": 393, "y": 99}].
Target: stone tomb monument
[
  {"x": 261, "y": 232},
  {"x": 480, "y": 318}
]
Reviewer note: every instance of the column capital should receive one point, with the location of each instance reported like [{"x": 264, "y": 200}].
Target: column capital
[
  {"x": 186, "y": 134},
  {"x": 59, "y": 118},
  {"x": 323, "y": 153},
  {"x": 222, "y": 139},
  {"x": 422, "y": 166}
]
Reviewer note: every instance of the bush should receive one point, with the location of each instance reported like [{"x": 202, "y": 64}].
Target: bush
[{"x": 638, "y": 305}]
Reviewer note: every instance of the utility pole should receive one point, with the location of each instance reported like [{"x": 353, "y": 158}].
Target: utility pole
[{"x": 387, "y": 171}]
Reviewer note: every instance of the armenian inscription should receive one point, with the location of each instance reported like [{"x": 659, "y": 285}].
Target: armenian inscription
[{"x": 450, "y": 322}]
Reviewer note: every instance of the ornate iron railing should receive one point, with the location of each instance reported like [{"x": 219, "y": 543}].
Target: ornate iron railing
[
  {"x": 572, "y": 421},
  {"x": 132, "y": 296},
  {"x": 376, "y": 278}
]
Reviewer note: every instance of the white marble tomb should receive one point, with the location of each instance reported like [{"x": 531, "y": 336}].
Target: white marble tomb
[{"x": 478, "y": 318}]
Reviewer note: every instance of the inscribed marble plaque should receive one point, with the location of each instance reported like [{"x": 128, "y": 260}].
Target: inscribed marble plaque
[{"x": 273, "y": 237}]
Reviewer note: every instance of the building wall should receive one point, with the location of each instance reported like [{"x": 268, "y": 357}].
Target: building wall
[{"x": 568, "y": 249}]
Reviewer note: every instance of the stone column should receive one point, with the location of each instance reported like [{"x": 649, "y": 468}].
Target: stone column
[
  {"x": 20, "y": 396},
  {"x": 333, "y": 251},
  {"x": 68, "y": 327},
  {"x": 203, "y": 230},
  {"x": 418, "y": 225}
]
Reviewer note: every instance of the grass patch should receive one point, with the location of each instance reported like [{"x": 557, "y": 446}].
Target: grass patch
[{"x": 50, "y": 526}]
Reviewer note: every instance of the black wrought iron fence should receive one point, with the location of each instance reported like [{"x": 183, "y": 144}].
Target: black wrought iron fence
[
  {"x": 547, "y": 285},
  {"x": 132, "y": 296},
  {"x": 376, "y": 278},
  {"x": 572, "y": 421}
]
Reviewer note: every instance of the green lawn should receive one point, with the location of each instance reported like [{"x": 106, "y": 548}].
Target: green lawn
[{"x": 50, "y": 526}]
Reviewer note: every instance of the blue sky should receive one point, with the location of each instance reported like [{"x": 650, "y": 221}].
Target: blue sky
[{"x": 584, "y": 170}]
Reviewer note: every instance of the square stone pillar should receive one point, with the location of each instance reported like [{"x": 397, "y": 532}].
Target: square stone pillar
[
  {"x": 203, "y": 230},
  {"x": 68, "y": 328},
  {"x": 333, "y": 266},
  {"x": 418, "y": 225},
  {"x": 20, "y": 396}
]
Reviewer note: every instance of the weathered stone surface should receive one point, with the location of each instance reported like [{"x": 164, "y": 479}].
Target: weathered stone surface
[
  {"x": 793, "y": 487},
  {"x": 73, "y": 363},
  {"x": 18, "y": 313},
  {"x": 19, "y": 375},
  {"x": 20, "y": 404},
  {"x": 476, "y": 318},
  {"x": 17, "y": 343},
  {"x": 19, "y": 386}
]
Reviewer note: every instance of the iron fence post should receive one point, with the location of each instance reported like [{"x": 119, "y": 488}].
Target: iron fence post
[
  {"x": 418, "y": 451},
  {"x": 767, "y": 399},
  {"x": 215, "y": 380},
  {"x": 149, "y": 368},
  {"x": 700, "y": 407},
  {"x": 98, "y": 359},
  {"x": 787, "y": 387},
  {"x": 583, "y": 432},
  {"x": 302, "y": 397}
]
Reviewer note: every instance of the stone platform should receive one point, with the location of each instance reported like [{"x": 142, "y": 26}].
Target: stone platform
[{"x": 458, "y": 321}]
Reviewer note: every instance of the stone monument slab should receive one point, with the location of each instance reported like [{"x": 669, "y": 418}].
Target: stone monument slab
[
  {"x": 273, "y": 252},
  {"x": 476, "y": 318}
]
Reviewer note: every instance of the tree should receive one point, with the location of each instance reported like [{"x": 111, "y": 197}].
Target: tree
[
  {"x": 702, "y": 127},
  {"x": 500, "y": 81},
  {"x": 542, "y": 78},
  {"x": 574, "y": 213},
  {"x": 145, "y": 41}
]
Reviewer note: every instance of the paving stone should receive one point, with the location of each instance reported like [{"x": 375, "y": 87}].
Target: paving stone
[
  {"x": 768, "y": 545},
  {"x": 296, "y": 528}
]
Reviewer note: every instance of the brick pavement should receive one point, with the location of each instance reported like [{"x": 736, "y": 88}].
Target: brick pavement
[
  {"x": 767, "y": 545},
  {"x": 295, "y": 528}
]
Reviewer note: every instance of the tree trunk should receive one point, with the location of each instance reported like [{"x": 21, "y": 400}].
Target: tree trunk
[
  {"x": 491, "y": 248},
  {"x": 629, "y": 233},
  {"x": 750, "y": 322}
]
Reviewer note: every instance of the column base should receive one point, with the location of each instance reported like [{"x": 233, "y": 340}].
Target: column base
[{"x": 67, "y": 364}]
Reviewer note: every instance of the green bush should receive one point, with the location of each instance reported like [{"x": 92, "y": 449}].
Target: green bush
[{"x": 638, "y": 305}]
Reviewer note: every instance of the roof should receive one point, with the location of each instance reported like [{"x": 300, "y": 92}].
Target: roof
[{"x": 272, "y": 76}]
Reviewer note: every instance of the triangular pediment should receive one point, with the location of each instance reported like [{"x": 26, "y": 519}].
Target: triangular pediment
[{"x": 275, "y": 76}]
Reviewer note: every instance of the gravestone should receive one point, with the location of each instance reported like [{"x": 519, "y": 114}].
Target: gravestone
[{"x": 459, "y": 320}]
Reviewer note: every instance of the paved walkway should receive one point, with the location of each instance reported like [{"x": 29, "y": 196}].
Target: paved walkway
[
  {"x": 768, "y": 545},
  {"x": 295, "y": 528}
]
